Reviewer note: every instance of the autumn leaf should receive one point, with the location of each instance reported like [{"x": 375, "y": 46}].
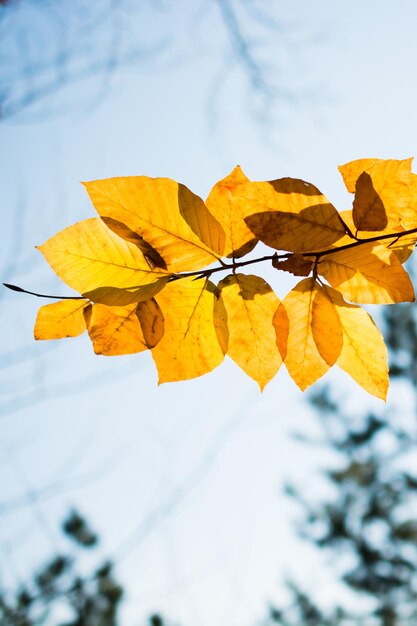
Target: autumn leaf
[
  {"x": 226, "y": 202},
  {"x": 351, "y": 171},
  {"x": 61, "y": 319},
  {"x": 303, "y": 360},
  {"x": 326, "y": 326},
  {"x": 295, "y": 216},
  {"x": 296, "y": 264},
  {"x": 281, "y": 325},
  {"x": 250, "y": 305},
  {"x": 189, "y": 347},
  {"x": 369, "y": 274},
  {"x": 168, "y": 216},
  {"x": 116, "y": 330},
  {"x": 363, "y": 355},
  {"x": 90, "y": 258},
  {"x": 382, "y": 194}
]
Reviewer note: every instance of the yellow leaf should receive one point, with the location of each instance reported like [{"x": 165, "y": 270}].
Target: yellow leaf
[
  {"x": 402, "y": 246},
  {"x": 281, "y": 324},
  {"x": 189, "y": 347},
  {"x": 96, "y": 262},
  {"x": 294, "y": 216},
  {"x": 303, "y": 361},
  {"x": 369, "y": 273},
  {"x": 326, "y": 327},
  {"x": 61, "y": 319},
  {"x": 383, "y": 194},
  {"x": 115, "y": 330},
  {"x": 168, "y": 216},
  {"x": 352, "y": 170},
  {"x": 296, "y": 264},
  {"x": 364, "y": 354},
  {"x": 226, "y": 202},
  {"x": 250, "y": 304},
  {"x": 151, "y": 321}
]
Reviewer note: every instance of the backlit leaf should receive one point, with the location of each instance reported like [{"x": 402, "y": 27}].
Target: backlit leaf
[
  {"x": 382, "y": 195},
  {"x": 296, "y": 264},
  {"x": 250, "y": 304},
  {"x": 295, "y": 216},
  {"x": 281, "y": 324},
  {"x": 115, "y": 330},
  {"x": 326, "y": 327},
  {"x": 303, "y": 361},
  {"x": 61, "y": 319},
  {"x": 351, "y": 171},
  {"x": 168, "y": 216},
  {"x": 226, "y": 202},
  {"x": 151, "y": 321},
  {"x": 364, "y": 354},
  {"x": 96, "y": 262},
  {"x": 189, "y": 347},
  {"x": 369, "y": 273}
]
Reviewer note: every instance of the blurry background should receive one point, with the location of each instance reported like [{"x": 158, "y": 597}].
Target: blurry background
[{"x": 184, "y": 484}]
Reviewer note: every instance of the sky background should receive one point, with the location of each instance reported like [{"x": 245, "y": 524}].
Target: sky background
[{"x": 183, "y": 482}]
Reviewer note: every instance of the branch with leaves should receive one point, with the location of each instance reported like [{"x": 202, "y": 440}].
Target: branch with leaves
[{"x": 143, "y": 270}]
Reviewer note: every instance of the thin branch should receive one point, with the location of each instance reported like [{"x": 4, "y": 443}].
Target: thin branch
[
  {"x": 42, "y": 295},
  {"x": 235, "y": 265}
]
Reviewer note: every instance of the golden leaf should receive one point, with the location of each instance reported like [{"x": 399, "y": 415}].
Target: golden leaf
[
  {"x": 281, "y": 324},
  {"x": 168, "y": 216},
  {"x": 250, "y": 304},
  {"x": 61, "y": 319},
  {"x": 294, "y": 216},
  {"x": 115, "y": 330},
  {"x": 402, "y": 245},
  {"x": 303, "y": 361},
  {"x": 369, "y": 273},
  {"x": 226, "y": 202},
  {"x": 326, "y": 327},
  {"x": 364, "y": 354},
  {"x": 383, "y": 194},
  {"x": 96, "y": 262},
  {"x": 151, "y": 321},
  {"x": 189, "y": 347},
  {"x": 351, "y": 171},
  {"x": 296, "y": 264}
]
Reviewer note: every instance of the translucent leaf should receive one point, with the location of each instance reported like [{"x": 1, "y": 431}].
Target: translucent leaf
[
  {"x": 351, "y": 171},
  {"x": 281, "y": 324},
  {"x": 369, "y": 274},
  {"x": 294, "y": 216},
  {"x": 364, "y": 354},
  {"x": 226, "y": 202},
  {"x": 115, "y": 330},
  {"x": 61, "y": 319},
  {"x": 96, "y": 262},
  {"x": 250, "y": 304},
  {"x": 326, "y": 327},
  {"x": 383, "y": 194},
  {"x": 296, "y": 264},
  {"x": 189, "y": 347},
  {"x": 168, "y": 216},
  {"x": 303, "y": 360}
]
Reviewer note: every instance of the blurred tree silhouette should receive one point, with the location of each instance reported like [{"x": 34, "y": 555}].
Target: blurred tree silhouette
[
  {"x": 370, "y": 526},
  {"x": 59, "y": 594}
]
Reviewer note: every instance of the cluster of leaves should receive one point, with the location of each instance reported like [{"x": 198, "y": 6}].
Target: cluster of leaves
[{"x": 145, "y": 268}]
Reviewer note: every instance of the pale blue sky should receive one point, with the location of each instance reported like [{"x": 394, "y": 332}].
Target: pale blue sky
[{"x": 182, "y": 481}]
